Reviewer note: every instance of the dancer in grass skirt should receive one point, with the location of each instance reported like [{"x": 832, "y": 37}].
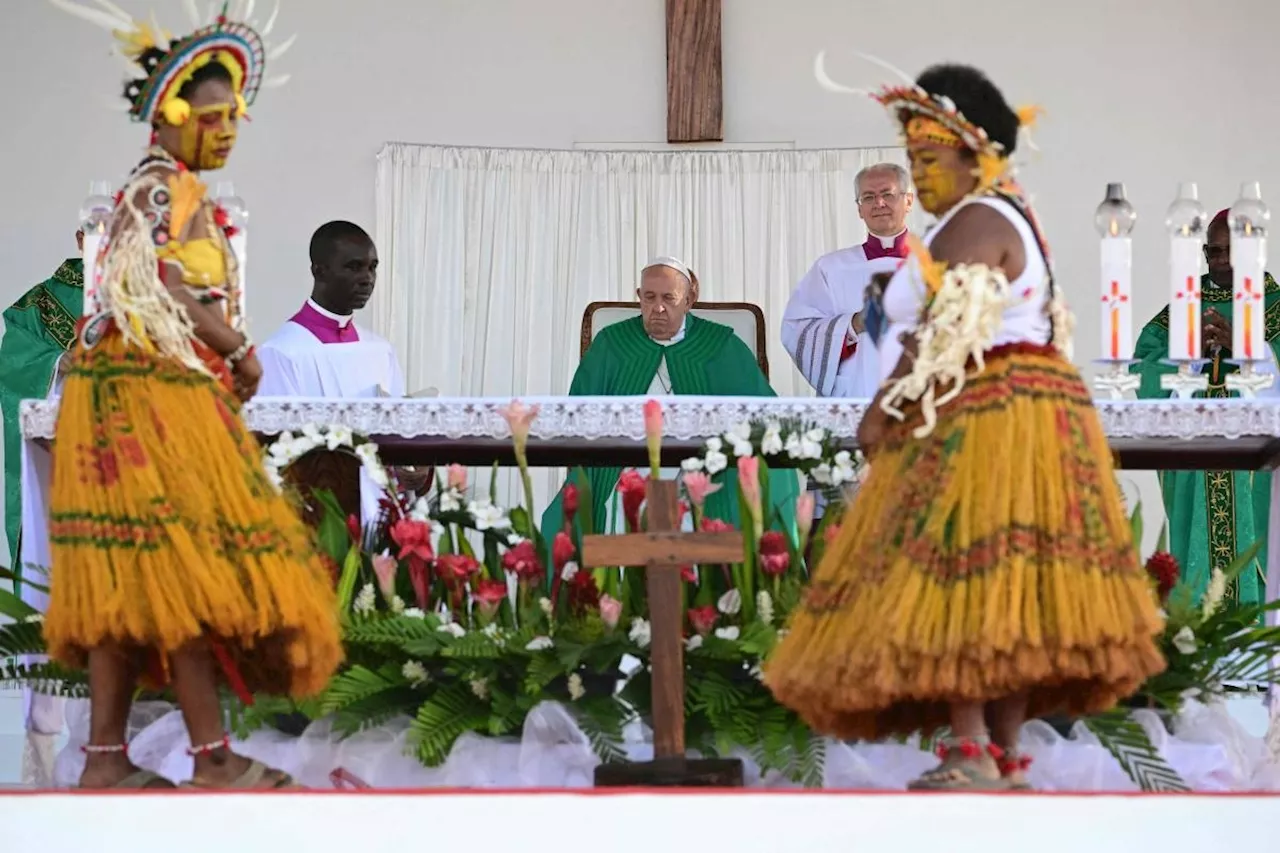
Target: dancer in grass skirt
[
  {"x": 175, "y": 561},
  {"x": 985, "y": 571}
]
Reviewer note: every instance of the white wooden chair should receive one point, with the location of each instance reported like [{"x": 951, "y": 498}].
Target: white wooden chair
[{"x": 745, "y": 318}]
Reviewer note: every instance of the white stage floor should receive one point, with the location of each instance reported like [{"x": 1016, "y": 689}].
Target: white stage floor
[{"x": 633, "y": 822}]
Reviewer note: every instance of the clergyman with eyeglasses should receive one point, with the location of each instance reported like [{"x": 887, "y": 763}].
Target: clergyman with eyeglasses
[
  {"x": 1213, "y": 515},
  {"x": 824, "y": 327}
]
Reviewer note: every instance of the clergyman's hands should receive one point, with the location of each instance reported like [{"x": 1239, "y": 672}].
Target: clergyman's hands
[{"x": 1216, "y": 332}]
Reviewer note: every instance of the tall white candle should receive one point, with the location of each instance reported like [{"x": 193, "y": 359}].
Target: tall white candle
[
  {"x": 1184, "y": 301},
  {"x": 239, "y": 243},
  {"x": 1248, "y": 220},
  {"x": 1117, "y": 302}
]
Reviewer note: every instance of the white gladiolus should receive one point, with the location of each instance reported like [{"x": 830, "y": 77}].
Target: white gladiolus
[
  {"x": 729, "y": 632},
  {"x": 771, "y": 443},
  {"x": 450, "y": 501},
  {"x": 691, "y": 465},
  {"x": 1185, "y": 641},
  {"x": 414, "y": 673},
  {"x": 365, "y": 601},
  {"x": 730, "y": 603},
  {"x": 538, "y": 644},
  {"x": 714, "y": 445},
  {"x": 640, "y": 634},
  {"x": 764, "y": 607},
  {"x": 716, "y": 462},
  {"x": 1215, "y": 593},
  {"x": 576, "y": 690},
  {"x": 694, "y": 642}
]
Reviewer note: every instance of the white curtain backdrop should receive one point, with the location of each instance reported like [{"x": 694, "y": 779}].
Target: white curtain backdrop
[{"x": 490, "y": 256}]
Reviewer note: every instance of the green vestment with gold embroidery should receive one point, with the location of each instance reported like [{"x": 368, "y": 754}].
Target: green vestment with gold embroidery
[
  {"x": 38, "y": 329},
  {"x": 1213, "y": 515}
]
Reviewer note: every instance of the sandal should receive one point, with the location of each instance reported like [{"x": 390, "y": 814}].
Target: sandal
[
  {"x": 1013, "y": 768},
  {"x": 138, "y": 780},
  {"x": 251, "y": 779},
  {"x": 962, "y": 768}
]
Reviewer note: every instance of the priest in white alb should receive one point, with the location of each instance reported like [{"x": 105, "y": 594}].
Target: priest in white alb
[
  {"x": 322, "y": 351},
  {"x": 822, "y": 327}
]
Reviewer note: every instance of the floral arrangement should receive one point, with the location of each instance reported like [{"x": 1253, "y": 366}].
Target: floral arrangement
[
  {"x": 1209, "y": 643},
  {"x": 462, "y": 615}
]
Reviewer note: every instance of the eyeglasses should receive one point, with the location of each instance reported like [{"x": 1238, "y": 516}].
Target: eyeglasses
[
  {"x": 889, "y": 198},
  {"x": 1214, "y": 252}
]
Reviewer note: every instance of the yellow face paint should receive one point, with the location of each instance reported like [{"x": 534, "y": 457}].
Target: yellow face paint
[
  {"x": 207, "y": 137},
  {"x": 936, "y": 185}
]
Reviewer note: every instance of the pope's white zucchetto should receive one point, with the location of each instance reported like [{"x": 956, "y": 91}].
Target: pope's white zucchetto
[{"x": 671, "y": 263}]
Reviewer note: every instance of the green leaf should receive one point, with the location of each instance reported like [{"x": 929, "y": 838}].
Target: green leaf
[
  {"x": 51, "y": 679},
  {"x": 1135, "y": 526},
  {"x": 357, "y": 684},
  {"x": 1162, "y": 541},
  {"x": 331, "y": 533},
  {"x": 347, "y": 580},
  {"x": 1128, "y": 743},
  {"x": 22, "y": 638},
  {"x": 451, "y": 712},
  {"x": 1242, "y": 561},
  {"x": 15, "y": 608}
]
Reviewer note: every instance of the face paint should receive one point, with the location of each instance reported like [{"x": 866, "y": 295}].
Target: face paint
[
  {"x": 206, "y": 139},
  {"x": 935, "y": 177}
]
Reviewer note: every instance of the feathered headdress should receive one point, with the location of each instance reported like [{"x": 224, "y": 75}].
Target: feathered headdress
[
  {"x": 158, "y": 64},
  {"x": 935, "y": 118}
]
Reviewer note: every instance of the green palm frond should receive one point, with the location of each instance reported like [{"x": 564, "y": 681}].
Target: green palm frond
[
  {"x": 451, "y": 712},
  {"x": 1128, "y": 743},
  {"x": 49, "y": 678}
]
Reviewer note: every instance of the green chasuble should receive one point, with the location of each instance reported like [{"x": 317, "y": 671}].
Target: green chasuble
[
  {"x": 1213, "y": 515},
  {"x": 38, "y": 328},
  {"x": 710, "y": 360}
]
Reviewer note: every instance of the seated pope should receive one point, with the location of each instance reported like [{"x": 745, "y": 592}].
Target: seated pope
[{"x": 665, "y": 351}]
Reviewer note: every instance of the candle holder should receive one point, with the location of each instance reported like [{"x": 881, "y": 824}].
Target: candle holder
[
  {"x": 1115, "y": 378},
  {"x": 1188, "y": 380},
  {"x": 1114, "y": 221},
  {"x": 1248, "y": 220},
  {"x": 238, "y": 218}
]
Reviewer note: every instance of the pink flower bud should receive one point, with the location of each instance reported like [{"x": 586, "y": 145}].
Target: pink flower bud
[
  {"x": 458, "y": 477},
  {"x": 610, "y": 611},
  {"x": 699, "y": 486}
]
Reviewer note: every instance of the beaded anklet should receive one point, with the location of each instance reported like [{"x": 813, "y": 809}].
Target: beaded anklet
[
  {"x": 209, "y": 748},
  {"x": 105, "y": 749}
]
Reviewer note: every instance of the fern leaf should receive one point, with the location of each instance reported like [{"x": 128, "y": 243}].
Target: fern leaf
[
  {"x": 356, "y": 685},
  {"x": 451, "y": 712},
  {"x": 21, "y": 638},
  {"x": 49, "y": 678},
  {"x": 1128, "y": 743}
]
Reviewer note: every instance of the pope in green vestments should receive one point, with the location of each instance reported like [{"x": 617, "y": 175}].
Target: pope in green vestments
[
  {"x": 38, "y": 329},
  {"x": 1213, "y": 515},
  {"x": 642, "y": 356}
]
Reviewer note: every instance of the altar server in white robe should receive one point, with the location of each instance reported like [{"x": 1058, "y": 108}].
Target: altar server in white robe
[
  {"x": 321, "y": 351},
  {"x": 822, "y": 327}
]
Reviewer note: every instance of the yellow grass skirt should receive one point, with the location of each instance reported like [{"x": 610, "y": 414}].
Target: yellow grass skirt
[
  {"x": 164, "y": 529},
  {"x": 988, "y": 559}
]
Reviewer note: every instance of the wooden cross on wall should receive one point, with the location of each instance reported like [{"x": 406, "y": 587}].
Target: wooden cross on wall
[
  {"x": 695, "y": 97},
  {"x": 661, "y": 552}
]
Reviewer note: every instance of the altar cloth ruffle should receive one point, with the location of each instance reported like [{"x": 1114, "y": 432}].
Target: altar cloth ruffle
[{"x": 1209, "y": 749}]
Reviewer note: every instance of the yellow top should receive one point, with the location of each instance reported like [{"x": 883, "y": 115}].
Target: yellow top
[{"x": 203, "y": 262}]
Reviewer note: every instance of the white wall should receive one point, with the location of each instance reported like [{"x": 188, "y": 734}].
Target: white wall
[{"x": 1146, "y": 91}]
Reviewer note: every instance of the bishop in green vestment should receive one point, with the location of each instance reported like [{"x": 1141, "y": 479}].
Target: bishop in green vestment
[
  {"x": 1213, "y": 515},
  {"x": 38, "y": 329},
  {"x": 668, "y": 351}
]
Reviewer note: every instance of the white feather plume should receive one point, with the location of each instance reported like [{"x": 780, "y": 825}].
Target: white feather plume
[
  {"x": 276, "y": 82},
  {"x": 118, "y": 105},
  {"x": 115, "y": 10},
  {"x": 161, "y": 42},
  {"x": 94, "y": 16},
  {"x": 132, "y": 68},
  {"x": 825, "y": 81},
  {"x": 279, "y": 50},
  {"x": 271, "y": 21},
  {"x": 193, "y": 13},
  {"x": 892, "y": 69},
  {"x": 248, "y": 11}
]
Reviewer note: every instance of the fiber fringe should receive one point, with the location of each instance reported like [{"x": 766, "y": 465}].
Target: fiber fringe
[
  {"x": 990, "y": 558},
  {"x": 164, "y": 528}
]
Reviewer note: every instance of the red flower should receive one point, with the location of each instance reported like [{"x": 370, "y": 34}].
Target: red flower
[
  {"x": 414, "y": 539},
  {"x": 703, "y": 619},
  {"x": 715, "y": 525},
  {"x": 489, "y": 595},
  {"x": 523, "y": 561},
  {"x": 220, "y": 217},
  {"x": 688, "y": 575},
  {"x": 420, "y": 580},
  {"x": 353, "y": 528},
  {"x": 562, "y": 550},
  {"x": 584, "y": 596},
  {"x": 774, "y": 555},
  {"x": 632, "y": 486},
  {"x": 457, "y": 567},
  {"x": 1164, "y": 570},
  {"x": 569, "y": 502}
]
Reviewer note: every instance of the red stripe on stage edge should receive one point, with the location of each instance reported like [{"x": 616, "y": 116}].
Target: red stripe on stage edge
[{"x": 627, "y": 792}]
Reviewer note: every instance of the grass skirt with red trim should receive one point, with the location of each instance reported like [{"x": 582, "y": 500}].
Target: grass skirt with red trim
[
  {"x": 164, "y": 528},
  {"x": 991, "y": 558}
]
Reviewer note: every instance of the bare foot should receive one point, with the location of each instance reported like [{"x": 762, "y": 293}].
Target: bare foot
[
  {"x": 223, "y": 768},
  {"x": 107, "y": 770}
]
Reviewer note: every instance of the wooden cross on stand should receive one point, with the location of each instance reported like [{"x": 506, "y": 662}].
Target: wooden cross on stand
[
  {"x": 661, "y": 552},
  {"x": 695, "y": 96}
]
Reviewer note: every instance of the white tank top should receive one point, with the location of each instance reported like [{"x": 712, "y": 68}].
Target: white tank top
[{"x": 1025, "y": 319}]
